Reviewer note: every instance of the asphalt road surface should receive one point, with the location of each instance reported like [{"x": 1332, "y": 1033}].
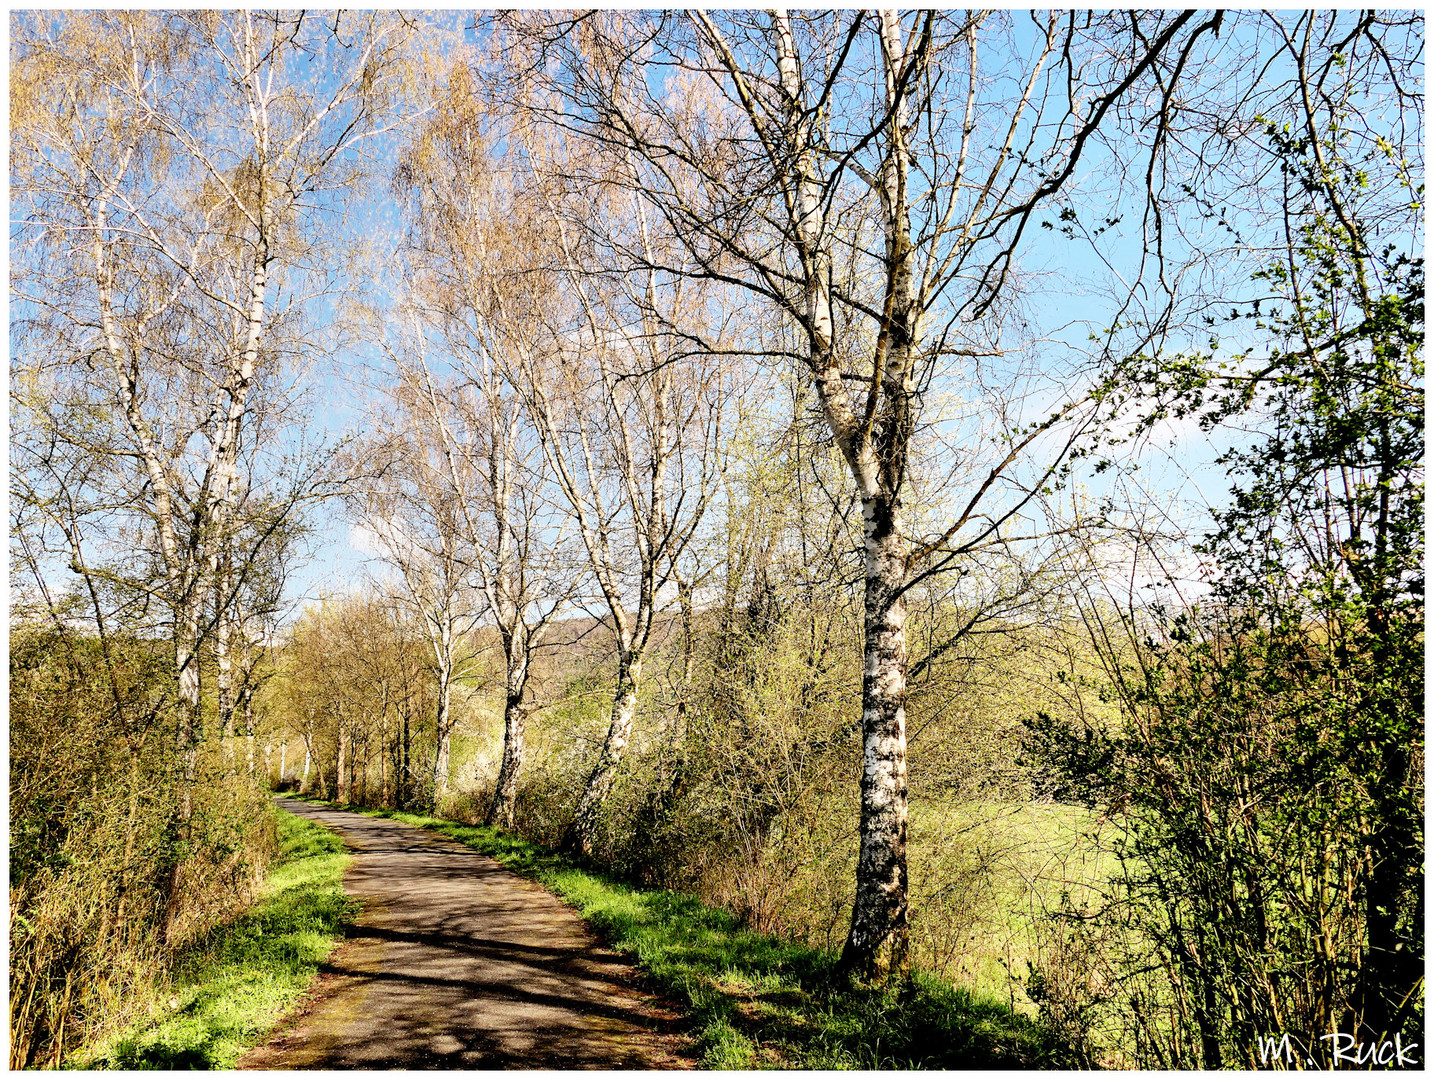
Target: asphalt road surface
[{"x": 458, "y": 963}]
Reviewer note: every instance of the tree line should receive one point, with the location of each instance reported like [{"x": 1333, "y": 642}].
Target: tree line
[{"x": 720, "y": 447}]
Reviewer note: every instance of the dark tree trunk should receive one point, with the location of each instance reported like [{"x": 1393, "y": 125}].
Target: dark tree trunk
[{"x": 505, "y": 795}]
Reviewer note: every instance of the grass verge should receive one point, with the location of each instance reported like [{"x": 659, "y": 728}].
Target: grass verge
[
  {"x": 233, "y": 985},
  {"x": 757, "y": 1001}
]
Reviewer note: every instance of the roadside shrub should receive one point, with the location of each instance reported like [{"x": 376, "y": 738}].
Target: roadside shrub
[{"x": 104, "y": 886}]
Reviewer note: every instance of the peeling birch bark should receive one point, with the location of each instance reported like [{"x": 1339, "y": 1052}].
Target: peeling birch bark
[{"x": 505, "y": 795}]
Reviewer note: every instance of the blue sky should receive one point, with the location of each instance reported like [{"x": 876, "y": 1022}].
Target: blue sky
[{"x": 1068, "y": 297}]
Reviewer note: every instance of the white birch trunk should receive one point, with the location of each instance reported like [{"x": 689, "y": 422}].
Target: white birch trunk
[
  {"x": 445, "y": 721},
  {"x": 505, "y": 793},
  {"x": 189, "y": 733},
  {"x": 224, "y": 688},
  {"x": 599, "y": 785},
  {"x": 383, "y": 776},
  {"x": 879, "y": 910},
  {"x": 341, "y": 772}
]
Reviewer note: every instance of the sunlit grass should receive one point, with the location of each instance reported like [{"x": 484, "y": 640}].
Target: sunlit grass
[
  {"x": 757, "y": 1001},
  {"x": 234, "y": 984},
  {"x": 1037, "y": 851}
]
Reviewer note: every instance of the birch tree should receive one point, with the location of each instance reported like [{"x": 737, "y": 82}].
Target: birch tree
[
  {"x": 474, "y": 296},
  {"x": 870, "y": 176},
  {"x": 418, "y": 519},
  {"x": 627, "y": 494},
  {"x": 522, "y": 562},
  {"x": 633, "y": 430},
  {"x": 170, "y": 170},
  {"x": 628, "y": 427}
]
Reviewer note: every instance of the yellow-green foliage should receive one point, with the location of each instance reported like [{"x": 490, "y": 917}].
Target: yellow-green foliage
[
  {"x": 356, "y": 669},
  {"x": 232, "y": 984},
  {"x": 105, "y": 883}
]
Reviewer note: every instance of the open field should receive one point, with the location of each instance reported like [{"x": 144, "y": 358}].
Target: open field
[{"x": 1027, "y": 856}]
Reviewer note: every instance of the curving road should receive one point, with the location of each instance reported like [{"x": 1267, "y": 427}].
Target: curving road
[{"x": 457, "y": 963}]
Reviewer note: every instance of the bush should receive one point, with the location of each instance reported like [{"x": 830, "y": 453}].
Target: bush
[{"x": 104, "y": 885}]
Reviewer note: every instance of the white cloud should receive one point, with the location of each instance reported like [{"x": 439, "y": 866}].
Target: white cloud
[{"x": 365, "y": 541}]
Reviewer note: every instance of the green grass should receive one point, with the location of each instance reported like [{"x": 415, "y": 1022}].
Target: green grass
[
  {"x": 233, "y": 985},
  {"x": 1046, "y": 849},
  {"x": 756, "y": 1001}
]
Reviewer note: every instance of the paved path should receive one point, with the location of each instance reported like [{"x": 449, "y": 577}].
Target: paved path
[{"x": 456, "y": 962}]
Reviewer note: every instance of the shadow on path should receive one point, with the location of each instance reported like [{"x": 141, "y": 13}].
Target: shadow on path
[{"x": 456, "y": 962}]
